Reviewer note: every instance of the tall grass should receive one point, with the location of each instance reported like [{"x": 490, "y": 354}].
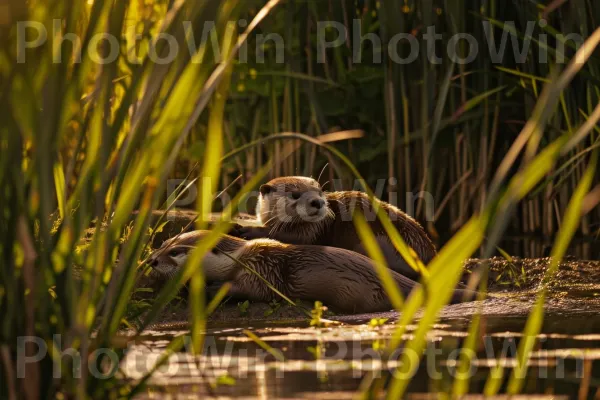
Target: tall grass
[
  {"x": 499, "y": 146},
  {"x": 441, "y": 128},
  {"x": 96, "y": 141}
]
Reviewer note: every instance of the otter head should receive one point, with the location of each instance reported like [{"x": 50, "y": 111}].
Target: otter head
[
  {"x": 291, "y": 200},
  {"x": 173, "y": 254}
]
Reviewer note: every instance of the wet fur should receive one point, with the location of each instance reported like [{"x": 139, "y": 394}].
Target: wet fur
[
  {"x": 336, "y": 228},
  {"x": 345, "y": 281}
]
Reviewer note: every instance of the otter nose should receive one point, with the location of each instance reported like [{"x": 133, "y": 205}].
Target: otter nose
[
  {"x": 317, "y": 203},
  {"x": 153, "y": 263}
]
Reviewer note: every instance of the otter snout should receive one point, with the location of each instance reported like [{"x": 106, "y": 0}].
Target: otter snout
[
  {"x": 312, "y": 204},
  {"x": 317, "y": 203}
]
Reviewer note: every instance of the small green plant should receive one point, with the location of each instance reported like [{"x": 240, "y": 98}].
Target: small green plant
[
  {"x": 317, "y": 314},
  {"x": 225, "y": 380},
  {"x": 377, "y": 322},
  {"x": 274, "y": 306},
  {"x": 504, "y": 254},
  {"x": 511, "y": 274},
  {"x": 316, "y": 351},
  {"x": 243, "y": 308},
  {"x": 374, "y": 324}
]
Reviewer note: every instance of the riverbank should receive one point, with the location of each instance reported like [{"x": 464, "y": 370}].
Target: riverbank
[{"x": 513, "y": 285}]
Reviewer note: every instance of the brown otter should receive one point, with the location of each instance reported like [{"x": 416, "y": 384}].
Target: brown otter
[
  {"x": 343, "y": 280},
  {"x": 295, "y": 210}
]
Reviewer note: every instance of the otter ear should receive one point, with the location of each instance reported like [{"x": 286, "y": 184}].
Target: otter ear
[{"x": 266, "y": 189}]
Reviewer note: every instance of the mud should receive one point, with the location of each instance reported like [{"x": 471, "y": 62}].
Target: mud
[{"x": 513, "y": 286}]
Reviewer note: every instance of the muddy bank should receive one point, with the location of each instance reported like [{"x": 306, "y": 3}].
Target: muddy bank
[
  {"x": 512, "y": 285},
  {"x": 527, "y": 273}
]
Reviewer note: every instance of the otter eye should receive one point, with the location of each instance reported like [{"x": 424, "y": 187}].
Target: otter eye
[
  {"x": 215, "y": 251},
  {"x": 296, "y": 195},
  {"x": 266, "y": 189},
  {"x": 173, "y": 253}
]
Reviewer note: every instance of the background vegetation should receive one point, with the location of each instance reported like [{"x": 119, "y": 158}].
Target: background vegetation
[
  {"x": 499, "y": 145},
  {"x": 443, "y": 128}
]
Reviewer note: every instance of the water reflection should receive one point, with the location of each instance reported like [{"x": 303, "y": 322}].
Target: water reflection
[{"x": 333, "y": 362}]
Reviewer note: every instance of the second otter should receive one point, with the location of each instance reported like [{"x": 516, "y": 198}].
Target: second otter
[
  {"x": 344, "y": 280},
  {"x": 295, "y": 210}
]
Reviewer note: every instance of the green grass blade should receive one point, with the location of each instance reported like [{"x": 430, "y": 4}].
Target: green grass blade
[
  {"x": 535, "y": 320},
  {"x": 60, "y": 187},
  {"x": 475, "y": 101},
  {"x": 523, "y": 74},
  {"x": 216, "y": 301},
  {"x": 468, "y": 351},
  {"x": 221, "y": 227},
  {"x": 368, "y": 239},
  {"x": 274, "y": 352},
  {"x": 208, "y": 185},
  {"x": 543, "y": 110},
  {"x": 259, "y": 276},
  {"x": 445, "y": 270}
]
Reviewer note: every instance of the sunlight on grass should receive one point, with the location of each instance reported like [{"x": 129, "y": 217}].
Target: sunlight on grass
[{"x": 88, "y": 150}]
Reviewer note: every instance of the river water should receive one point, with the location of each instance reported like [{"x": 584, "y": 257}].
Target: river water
[{"x": 338, "y": 362}]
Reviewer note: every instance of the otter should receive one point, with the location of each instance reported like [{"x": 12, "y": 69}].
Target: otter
[
  {"x": 295, "y": 210},
  {"x": 345, "y": 281}
]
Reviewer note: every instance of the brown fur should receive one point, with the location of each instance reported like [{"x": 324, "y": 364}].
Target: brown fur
[
  {"x": 334, "y": 226},
  {"x": 343, "y": 280}
]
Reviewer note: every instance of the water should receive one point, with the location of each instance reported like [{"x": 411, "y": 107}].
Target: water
[{"x": 338, "y": 361}]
